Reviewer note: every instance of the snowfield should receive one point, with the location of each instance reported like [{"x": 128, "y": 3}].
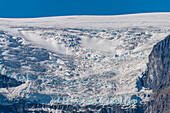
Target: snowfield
[{"x": 79, "y": 59}]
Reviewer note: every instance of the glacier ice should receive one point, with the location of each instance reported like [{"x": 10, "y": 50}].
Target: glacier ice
[{"x": 77, "y": 65}]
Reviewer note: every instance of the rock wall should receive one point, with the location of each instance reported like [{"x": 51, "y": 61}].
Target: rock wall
[
  {"x": 157, "y": 74},
  {"x": 157, "y": 77}
]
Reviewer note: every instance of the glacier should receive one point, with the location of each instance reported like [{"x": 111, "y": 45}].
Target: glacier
[{"x": 80, "y": 59}]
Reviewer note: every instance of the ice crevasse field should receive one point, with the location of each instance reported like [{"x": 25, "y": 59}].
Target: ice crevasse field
[{"x": 79, "y": 59}]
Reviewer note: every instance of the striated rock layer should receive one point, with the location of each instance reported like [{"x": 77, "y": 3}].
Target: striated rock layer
[{"x": 157, "y": 77}]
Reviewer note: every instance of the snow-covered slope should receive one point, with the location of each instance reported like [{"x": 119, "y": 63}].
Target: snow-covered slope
[{"x": 80, "y": 59}]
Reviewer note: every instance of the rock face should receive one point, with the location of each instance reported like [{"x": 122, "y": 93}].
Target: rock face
[{"x": 157, "y": 77}]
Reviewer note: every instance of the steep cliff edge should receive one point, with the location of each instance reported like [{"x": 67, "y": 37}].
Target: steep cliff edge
[
  {"x": 157, "y": 77},
  {"x": 157, "y": 74}
]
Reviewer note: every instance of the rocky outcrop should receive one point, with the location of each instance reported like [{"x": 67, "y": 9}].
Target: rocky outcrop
[
  {"x": 157, "y": 77},
  {"x": 157, "y": 74}
]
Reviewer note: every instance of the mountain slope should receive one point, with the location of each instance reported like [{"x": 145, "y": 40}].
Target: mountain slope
[{"x": 158, "y": 77}]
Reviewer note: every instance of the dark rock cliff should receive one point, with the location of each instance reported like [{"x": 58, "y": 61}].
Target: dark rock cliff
[
  {"x": 157, "y": 77},
  {"x": 157, "y": 74}
]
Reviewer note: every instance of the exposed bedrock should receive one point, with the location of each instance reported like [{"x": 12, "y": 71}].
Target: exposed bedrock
[{"x": 157, "y": 77}]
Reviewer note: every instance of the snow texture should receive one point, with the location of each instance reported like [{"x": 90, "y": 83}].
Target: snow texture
[{"x": 80, "y": 59}]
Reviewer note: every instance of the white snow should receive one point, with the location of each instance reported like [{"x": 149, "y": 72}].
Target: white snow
[
  {"x": 52, "y": 46},
  {"x": 80, "y": 59}
]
